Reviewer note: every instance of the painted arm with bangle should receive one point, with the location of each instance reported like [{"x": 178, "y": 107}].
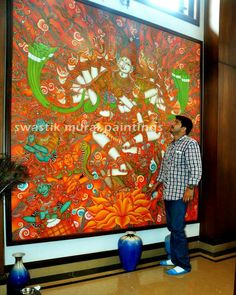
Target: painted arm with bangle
[{"x": 153, "y": 187}]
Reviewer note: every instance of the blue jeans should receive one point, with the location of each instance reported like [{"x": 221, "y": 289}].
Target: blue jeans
[{"x": 175, "y": 213}]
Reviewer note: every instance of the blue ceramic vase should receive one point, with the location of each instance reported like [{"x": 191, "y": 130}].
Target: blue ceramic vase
[
  {"x": 18, "y": 276},
  {"x": 130, "y": 250}
]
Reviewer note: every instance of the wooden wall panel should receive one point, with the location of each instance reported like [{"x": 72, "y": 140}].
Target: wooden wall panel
[
  {"x": 209, "y": 131},
  {"x": 226, "y": 220},
  {"x": 227, "y": 36},
  {"x": 218, "y": 207}
]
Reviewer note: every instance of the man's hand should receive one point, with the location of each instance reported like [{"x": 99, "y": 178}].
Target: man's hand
[{"x": 188, "y": 195}]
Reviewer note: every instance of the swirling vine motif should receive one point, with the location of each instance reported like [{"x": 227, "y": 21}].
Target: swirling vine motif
[{"x": 81, "y": 75}]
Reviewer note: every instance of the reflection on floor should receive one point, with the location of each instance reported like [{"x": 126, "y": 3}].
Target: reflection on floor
[{"x": 207, "y": 278}]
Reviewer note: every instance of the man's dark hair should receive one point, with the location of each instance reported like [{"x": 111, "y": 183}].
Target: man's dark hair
[{"x": 185, "y": 122}]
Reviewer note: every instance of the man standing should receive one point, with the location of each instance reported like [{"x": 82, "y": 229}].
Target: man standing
[{"x": 180, "y": 173}]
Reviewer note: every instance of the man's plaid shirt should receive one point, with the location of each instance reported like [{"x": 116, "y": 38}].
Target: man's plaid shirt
[{"x": 181, "y": 166}]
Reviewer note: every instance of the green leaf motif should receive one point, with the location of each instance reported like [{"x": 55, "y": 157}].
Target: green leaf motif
[
  {"x": 181, "y": 80},
  {"x": 38, "y": 56}
]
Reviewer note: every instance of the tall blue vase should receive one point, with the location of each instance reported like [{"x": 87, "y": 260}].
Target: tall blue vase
[
  {"x": 18, "y": 276},
  {"x": 130, "y": 250}
]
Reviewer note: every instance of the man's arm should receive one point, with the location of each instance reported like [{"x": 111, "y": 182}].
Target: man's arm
[
  {"x": 194, "y": 166},
  {"x": 194, "y": 163}
]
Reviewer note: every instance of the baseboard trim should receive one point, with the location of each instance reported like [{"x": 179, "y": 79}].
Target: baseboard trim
[
  {"x": 217, "y": 249},
  {"x": 88, "y": 267},
  {"x": 117, "y": 270}
]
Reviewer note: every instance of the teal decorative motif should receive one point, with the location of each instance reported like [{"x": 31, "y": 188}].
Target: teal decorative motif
[
  {"x": 153, "y": 166},
  {"x": 43, "y": 189}
]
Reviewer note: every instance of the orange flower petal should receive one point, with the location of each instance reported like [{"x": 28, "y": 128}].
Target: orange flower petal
[
  {"x": 123, "y": 206},
  {"x": 143, "y": 203},
  {"x": 122, "y": 221},
  {"x": 101, "y": 215},
  {"x": 95, "y": 209},
  {"x": 109, "y": 225},
  {"x": 99, "y": 200},
  {"x": 91, "y": 224},
  {"x": 142, "y": 210},
  {"x": 109, "y": 216}
]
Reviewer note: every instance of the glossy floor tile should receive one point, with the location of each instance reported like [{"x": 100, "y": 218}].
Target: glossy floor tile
[{"x": 207, "y": 278}]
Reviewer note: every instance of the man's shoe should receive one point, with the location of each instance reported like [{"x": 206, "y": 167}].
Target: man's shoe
[
  {"x": 176, "y": 271},
  {"x": 167, "y": 262}
]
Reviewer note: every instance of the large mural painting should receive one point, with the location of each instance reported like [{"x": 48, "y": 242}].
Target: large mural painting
[{"x": 93, "y": 94}]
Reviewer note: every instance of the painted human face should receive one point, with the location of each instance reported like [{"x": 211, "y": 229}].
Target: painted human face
[{"x": 124, "y": 64}]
